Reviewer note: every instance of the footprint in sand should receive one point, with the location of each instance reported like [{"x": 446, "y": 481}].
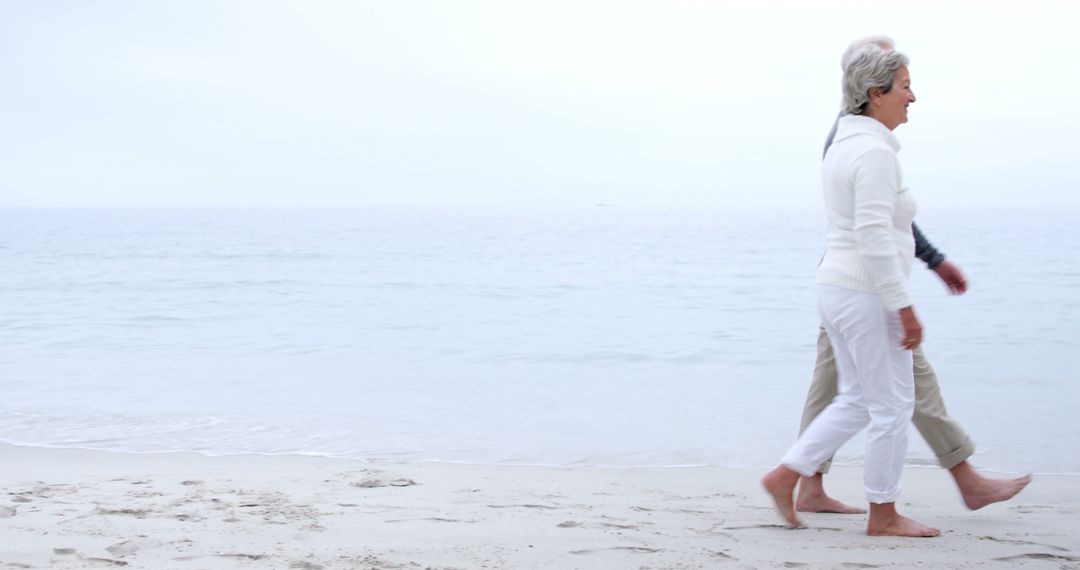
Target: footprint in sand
[
  {"x": 620, "y": 526},
  {"x": 244, "y": 556},
  {"x": 1024, "y": 542},
  {"x": 527, "y": 506},
  {"x": 301, "y": 565},
  {"x": 1039, "y": 556},
  {"x": 634, "y": 549},
  {"x": 376, "y": 483},
  {"x": 781, "y": 526},
  {"x": 145, "y": 494},
  {"x": 1028, "y": 509},
  {"x": 687, "y": 511},
  {"x": 369, "y": 561},
  {"x": 137, "y": 513},
  {"x": 103, "y": 561},
  {"x": 189, "y": 517},
  {"x": 434, "y": 519},
  {"x": 43, "y": 492},
  {"x": 6, "y": 512},
  {"x": 722, "y": 555},
  {"x": 133, "y": 545},
  {"x": 275, "y": 508},
  {"x": 716, "y": 530},
  {"x": 623, "y": 523}
]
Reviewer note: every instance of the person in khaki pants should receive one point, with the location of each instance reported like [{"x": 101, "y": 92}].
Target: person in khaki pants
[{"x": 949, "y": 442}]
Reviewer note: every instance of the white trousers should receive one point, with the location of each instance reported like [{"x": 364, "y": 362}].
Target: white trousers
[{"x": 876, "y": 388}]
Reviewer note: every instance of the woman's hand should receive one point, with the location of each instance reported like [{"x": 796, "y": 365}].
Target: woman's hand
[
  {"x": 953, "y": 278},
  {"x": 912, "y": 328}
]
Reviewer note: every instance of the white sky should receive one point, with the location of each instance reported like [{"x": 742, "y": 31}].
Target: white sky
[{"x": 476, "y": 102}]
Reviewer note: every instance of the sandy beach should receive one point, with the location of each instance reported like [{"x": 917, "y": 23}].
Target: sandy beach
[{"x": 66, "y": 508}]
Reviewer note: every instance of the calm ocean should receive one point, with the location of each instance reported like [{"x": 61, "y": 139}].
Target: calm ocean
[{"x": 600, "y": 336}]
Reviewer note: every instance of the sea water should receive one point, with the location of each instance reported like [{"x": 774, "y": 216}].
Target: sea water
[{"x": 596, "y": 336}]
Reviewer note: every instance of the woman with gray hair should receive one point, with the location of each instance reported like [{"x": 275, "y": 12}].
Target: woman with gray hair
[{"x": 862, "y": 295}]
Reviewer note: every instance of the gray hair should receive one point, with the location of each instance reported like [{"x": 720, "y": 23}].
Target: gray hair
[
  {"x": 883, "y": 42},
  {"x": 870, "y": 67}
]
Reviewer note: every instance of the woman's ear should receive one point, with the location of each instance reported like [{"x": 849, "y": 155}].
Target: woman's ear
[{"x": 875, "y": 94}]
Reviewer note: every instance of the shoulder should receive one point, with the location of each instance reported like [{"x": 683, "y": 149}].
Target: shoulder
[
  {"x": 876, "y": 165},
  {"x": 874, "y": 153}
]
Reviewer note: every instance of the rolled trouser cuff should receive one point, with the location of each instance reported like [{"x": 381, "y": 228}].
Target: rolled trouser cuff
[
  {"x": 801, "y": 467},
  {"x": 958, "y": 455},
  {"x": 824, "y": 467},
  {"x": 880, "y": 497}
]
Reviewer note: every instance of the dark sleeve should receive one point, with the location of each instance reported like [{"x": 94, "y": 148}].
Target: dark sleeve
[
  {"x": 832, "y": 135},
  {"x": 925, "y": 251}
]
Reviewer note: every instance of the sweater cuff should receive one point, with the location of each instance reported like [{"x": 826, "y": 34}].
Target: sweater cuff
[{"x": 896, "y": 300}]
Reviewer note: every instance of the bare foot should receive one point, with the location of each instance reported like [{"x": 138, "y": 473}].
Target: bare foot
[
  {"x": 780, "y": 484},
  {"x": 825, "y": 504},
  {"x": 812, "y": 498},
  {"x": 900, "y": 526},
  {"x": 988, "y": 491}
]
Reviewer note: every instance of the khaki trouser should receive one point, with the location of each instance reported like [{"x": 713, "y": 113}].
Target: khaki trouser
[{"x": 946, "y": 438}]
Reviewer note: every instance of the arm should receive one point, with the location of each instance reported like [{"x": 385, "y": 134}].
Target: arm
[
  {"x": 949, "y": 273},
  {"x": 832, "y": 135},
  {"x": 876, "y": 182},
  {"x": 925, "y": 251}
]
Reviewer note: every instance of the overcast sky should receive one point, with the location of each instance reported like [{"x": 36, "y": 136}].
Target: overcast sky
[{"x": 553, "y": 103}]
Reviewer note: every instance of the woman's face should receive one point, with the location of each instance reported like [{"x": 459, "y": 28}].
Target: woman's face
[{"x": 892, "y": 106}]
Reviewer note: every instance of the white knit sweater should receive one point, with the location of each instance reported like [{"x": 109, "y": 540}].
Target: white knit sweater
[{"x": 869, "y": 244}]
